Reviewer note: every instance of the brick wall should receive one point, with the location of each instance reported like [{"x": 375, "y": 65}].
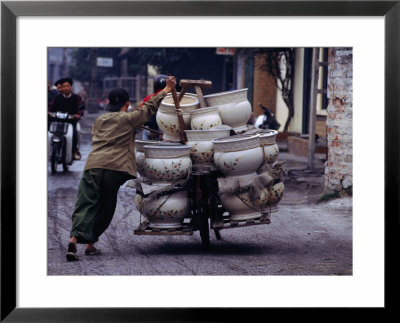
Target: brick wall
[
  {"x": 264, "y": 89},
  {"x": 339, "y": 165},
  {"x": 320, "y": 126}
]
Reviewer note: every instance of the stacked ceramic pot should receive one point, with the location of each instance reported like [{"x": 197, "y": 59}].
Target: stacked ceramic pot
[
  {"x": 165, "y": 165},
  {"x": 202, "y": 147},
  {"x": 139, "y": 153},
  {"x": 167, "y": 119},
  {"x": 270, "y": 154},
  {"x": 205, "y": 118},
  {"x": 239, "y": 158},
  {"x": 233, "y": 106}
]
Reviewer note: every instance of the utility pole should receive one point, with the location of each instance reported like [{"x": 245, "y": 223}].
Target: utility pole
[{"x": 313, "y": 107}]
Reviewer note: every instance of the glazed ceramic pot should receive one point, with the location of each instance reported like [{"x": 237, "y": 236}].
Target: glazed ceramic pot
[
  {"x": 234, "y": 108},
  {"x": 166, "y": 163},
  {"x": 138, "y": 201},
  {"x": 139, "y": 153},
  {"x": 202, "y": 148},
  {"x": 239, "y": 155},
  {"x": 243, "y": 206},
  {"x": 240, "y": 207},
  {"x": 167, "y": 211},
  {"x": 205, "y": 118},
  {"x": 167, "y": 119},
  {"x": 269, "y": 145},
  {"x": 275, "y": 195}
]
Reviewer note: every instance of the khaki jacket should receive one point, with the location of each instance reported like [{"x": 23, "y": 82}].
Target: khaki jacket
[{"x": 113, "y": 137}]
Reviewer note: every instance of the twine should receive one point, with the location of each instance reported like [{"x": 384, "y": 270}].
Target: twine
[
  {"x": 262, "y": 144},
  {"x": 263, "y": 151},
  {"x": 250, "y": 206}
]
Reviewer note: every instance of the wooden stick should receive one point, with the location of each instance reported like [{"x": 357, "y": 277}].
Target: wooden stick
[
  {"x": 180, "y": 117},
  {"x": 152, "y": 130},
  {"x": 182, "y": 93},
  {"x": 200, "y": 97},
  {"x": 198, "y": 85}
]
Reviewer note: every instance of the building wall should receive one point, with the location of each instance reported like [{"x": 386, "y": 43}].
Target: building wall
[
  {"x": 264, "y": 90},
  {"x": 281, "y": 109},
  {"x": 339, "y": 166},
  {"x": 59, "y": 60}
]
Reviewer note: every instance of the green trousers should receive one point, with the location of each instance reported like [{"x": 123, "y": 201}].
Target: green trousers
[{"x": 96, "y": 202}]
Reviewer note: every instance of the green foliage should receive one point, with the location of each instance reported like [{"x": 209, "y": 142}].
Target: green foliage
[
  {"x": 328, "y": 196},
  {"x": 336, "y": 194}
]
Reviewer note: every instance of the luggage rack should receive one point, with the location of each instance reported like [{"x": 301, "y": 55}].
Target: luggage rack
[
  {"x": 229, "y": 224},
  {"x": 144, "y": 229}
]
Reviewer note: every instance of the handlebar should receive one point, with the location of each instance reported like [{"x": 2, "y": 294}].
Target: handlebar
[{"x": 62, "y": 115}]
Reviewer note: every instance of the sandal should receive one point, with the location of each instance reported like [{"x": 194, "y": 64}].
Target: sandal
[
  {"x": 92, "y": 252},
  {"x": 71, "y": 252}
]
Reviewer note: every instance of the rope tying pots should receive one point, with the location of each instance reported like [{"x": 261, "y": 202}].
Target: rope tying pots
[{"x": 165, "y": 164}]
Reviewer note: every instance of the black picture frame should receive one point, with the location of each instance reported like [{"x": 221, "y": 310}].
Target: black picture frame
[{"x": 10, "y": 10}]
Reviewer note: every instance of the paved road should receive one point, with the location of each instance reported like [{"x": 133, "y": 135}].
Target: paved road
[{"x": 304, "y": 238}]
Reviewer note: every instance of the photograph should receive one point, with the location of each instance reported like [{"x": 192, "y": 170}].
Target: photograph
[
  {"x": 154, "y": 152},
  {"x": 201, "y": 161}
]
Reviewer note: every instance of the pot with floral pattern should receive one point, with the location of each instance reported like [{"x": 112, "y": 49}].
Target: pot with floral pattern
[
  {"x": 139, "y": 153},
  {"x": 274, "y": 196},
  {"x": 166, "y": 163},
  {"x": 239, "y": 155},
  {"x": 167, "y": 119},
  {"x": 269, "y": 145},
  {"x": 243, "y": 206},
  {"x": 166, "y": 212},
  {"x": 205, "y": 118},
  {"x": 240, "y": 207},
  {"x": 202, "y": 148},
  {"x": 234, "y": 108}
]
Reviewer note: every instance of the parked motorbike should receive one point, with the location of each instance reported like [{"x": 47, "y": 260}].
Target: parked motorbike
[
  {"x": 266, "y": 120},
  {"x": 60, "y": 140}
]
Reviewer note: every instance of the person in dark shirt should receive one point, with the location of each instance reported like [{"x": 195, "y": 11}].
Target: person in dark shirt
[{"x": 67, "y": 101}]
